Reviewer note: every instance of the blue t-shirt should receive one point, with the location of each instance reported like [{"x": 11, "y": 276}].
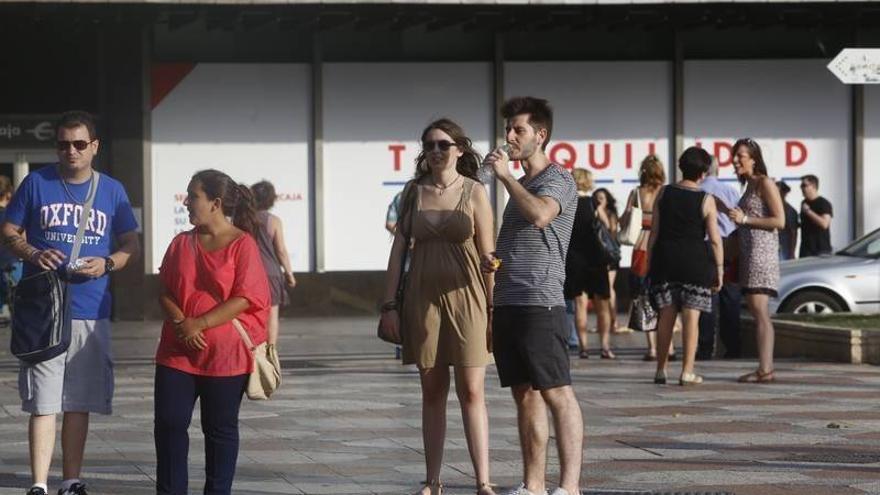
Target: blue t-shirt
[{"x": 49, "y": 215}]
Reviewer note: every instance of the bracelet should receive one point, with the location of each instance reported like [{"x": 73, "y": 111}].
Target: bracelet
[
  {"x": 745, "y": 220},
  {"x": 388, "y": 306},
  {"x": 178, "y": 322}
]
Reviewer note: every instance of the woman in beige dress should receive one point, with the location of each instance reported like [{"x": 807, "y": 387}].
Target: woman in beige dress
[{"x": 445, "y": 318}]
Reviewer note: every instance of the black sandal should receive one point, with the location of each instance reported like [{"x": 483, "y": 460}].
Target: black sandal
[{"x": 608, "y": 354}]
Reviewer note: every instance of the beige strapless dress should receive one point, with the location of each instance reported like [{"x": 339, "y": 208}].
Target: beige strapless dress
[{"x": 443, "y": 318}]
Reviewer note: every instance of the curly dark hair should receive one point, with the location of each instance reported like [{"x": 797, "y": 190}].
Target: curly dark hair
[{"x": 612, "y": 203}]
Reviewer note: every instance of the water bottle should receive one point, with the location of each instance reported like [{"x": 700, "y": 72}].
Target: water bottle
[{"x": 486, "y": 172}]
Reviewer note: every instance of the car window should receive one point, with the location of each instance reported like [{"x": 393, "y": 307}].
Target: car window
[
  {"x": 866, "y": 247},
  {"x": 873, "y": 248}
]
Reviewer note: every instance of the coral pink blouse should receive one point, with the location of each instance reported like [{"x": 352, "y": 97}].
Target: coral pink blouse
[{"x": 192, "y": 275}]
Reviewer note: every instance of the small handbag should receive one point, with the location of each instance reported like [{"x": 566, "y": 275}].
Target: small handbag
[
  {"x": 265, "y": 376},
  {"x": 629, "y": 233},
  {"x": 642, "y": 316},
  {"x": 41, "y": 303},
  {"x": 381, "y": 331}
]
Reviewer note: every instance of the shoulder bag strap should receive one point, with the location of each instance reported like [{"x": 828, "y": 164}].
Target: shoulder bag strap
[
  {"x": 235, "y": 323},
  {"x": 409, "y": 198},
  {"x": 84, "y": 218}
]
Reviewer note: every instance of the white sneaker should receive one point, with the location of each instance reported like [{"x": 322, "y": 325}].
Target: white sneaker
[
  {"x": 561, "y": 491},
  {"x": 522, "y": 490}
]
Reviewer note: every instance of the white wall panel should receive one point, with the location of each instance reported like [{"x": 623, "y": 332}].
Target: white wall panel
[
  {"x": 373, "y": 117},
  {"x": 251, "y": 121}
]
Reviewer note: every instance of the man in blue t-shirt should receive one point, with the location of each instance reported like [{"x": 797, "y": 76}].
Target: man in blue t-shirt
[
  {"x": 529, "y": 326},
  {"x": 40, "y": 228}
]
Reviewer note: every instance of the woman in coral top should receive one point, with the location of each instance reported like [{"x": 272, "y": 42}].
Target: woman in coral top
[{"x": 210, "y": 276}]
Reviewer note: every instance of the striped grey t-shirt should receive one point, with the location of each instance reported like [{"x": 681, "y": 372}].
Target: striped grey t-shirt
[{"x": 532, "y": 269}]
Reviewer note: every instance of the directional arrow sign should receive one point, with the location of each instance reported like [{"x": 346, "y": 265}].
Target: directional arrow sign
[{"x": 857, "y": 66}]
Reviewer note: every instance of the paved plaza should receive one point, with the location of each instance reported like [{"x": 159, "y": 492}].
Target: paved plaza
[{"x": 347, "y": 421}]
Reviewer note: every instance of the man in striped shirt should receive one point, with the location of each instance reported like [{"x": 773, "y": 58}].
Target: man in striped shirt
[{"x": 530, "y": 329}]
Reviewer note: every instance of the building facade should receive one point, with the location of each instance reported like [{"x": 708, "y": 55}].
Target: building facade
[{"x": 327, "y": 101}]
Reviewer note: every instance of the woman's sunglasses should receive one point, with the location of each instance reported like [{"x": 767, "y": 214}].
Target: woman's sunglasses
[
  {"x": 432, "y": 145},
  {"x": 78, "y": 145}
]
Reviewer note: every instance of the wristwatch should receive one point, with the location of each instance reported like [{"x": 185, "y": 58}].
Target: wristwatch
[{"x": 109, "y": 265}]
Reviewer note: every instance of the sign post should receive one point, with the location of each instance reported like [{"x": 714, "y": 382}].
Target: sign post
[
  {"x": 27, "y": 131},
  {"x": 857, "y": 66}
]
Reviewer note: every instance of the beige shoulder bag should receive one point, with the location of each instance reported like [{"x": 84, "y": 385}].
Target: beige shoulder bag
[{"x": 265, "y": 376}]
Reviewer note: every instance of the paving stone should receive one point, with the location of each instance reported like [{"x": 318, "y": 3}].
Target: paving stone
[{"x": 348, "y": 421}]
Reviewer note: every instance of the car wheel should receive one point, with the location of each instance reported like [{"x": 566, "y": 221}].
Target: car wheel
[{"x": 812, "y": 302}]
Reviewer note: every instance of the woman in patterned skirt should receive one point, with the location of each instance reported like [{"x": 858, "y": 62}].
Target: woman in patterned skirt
[
  {"x": 759, "y": 215},
  {"x": 682, "y": 269}
]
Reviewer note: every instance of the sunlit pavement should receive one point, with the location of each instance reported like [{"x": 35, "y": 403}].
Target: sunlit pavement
[{"x": 347, "y": 421}]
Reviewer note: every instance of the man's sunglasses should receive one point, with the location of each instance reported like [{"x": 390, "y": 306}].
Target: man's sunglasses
[
  {"x": 78, "y": 145},
  {"x": 442, "y": 145}
]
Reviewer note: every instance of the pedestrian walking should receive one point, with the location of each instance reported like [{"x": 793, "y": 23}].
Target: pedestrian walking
[
  {"x": 41, "y": 227},
  {"x": 530, "y": 327},
  {"x": 10, "y": 265},
  {"x": 816, "y": 213},
  {"x": 727, "y": 301},
  {"x": 758, "y": 216},
  {"x": 269, "y": 234},
  {"x": 586, "y": 272},
  {"x": 606, "y": 212},
  {"x": 788, "y": 235},
  {"x": 683, "y": 269},
  {"x": 212, "y": 279},
  {"x": 447, "y": 306},
  {"x": 652, "y": 176}
]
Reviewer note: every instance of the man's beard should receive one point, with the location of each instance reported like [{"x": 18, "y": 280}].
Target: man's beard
[{"x": 526, "y": 151}]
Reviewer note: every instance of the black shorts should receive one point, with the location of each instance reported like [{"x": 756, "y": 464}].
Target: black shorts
[
  {"x": 593, "y": 281},
  {"x": 531, "y": 346}
]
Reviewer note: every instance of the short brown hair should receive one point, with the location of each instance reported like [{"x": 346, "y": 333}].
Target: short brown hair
[
  {"x": 812, "y": 179},
  {"x": 76, "y": 118},
  {"x": 539, "y": 111},
  {"x": 264, "y": 194},
  {"x": 651, "y": 172}
]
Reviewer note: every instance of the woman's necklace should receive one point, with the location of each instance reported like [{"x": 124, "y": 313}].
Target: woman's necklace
[{"x": 441, "y": 188}]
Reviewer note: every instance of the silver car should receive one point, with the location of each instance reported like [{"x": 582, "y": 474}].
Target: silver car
[{"x": 848, "y": 280}]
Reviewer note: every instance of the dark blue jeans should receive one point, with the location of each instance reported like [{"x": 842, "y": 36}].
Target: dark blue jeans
[
  {"x": 220, "y": 400},
  {"x": 725, "y": 316}
]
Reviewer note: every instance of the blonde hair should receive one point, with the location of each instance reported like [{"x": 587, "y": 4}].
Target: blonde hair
[
  {"x": 651, "y": 172},
  {"x": 583, "y": 178}
]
